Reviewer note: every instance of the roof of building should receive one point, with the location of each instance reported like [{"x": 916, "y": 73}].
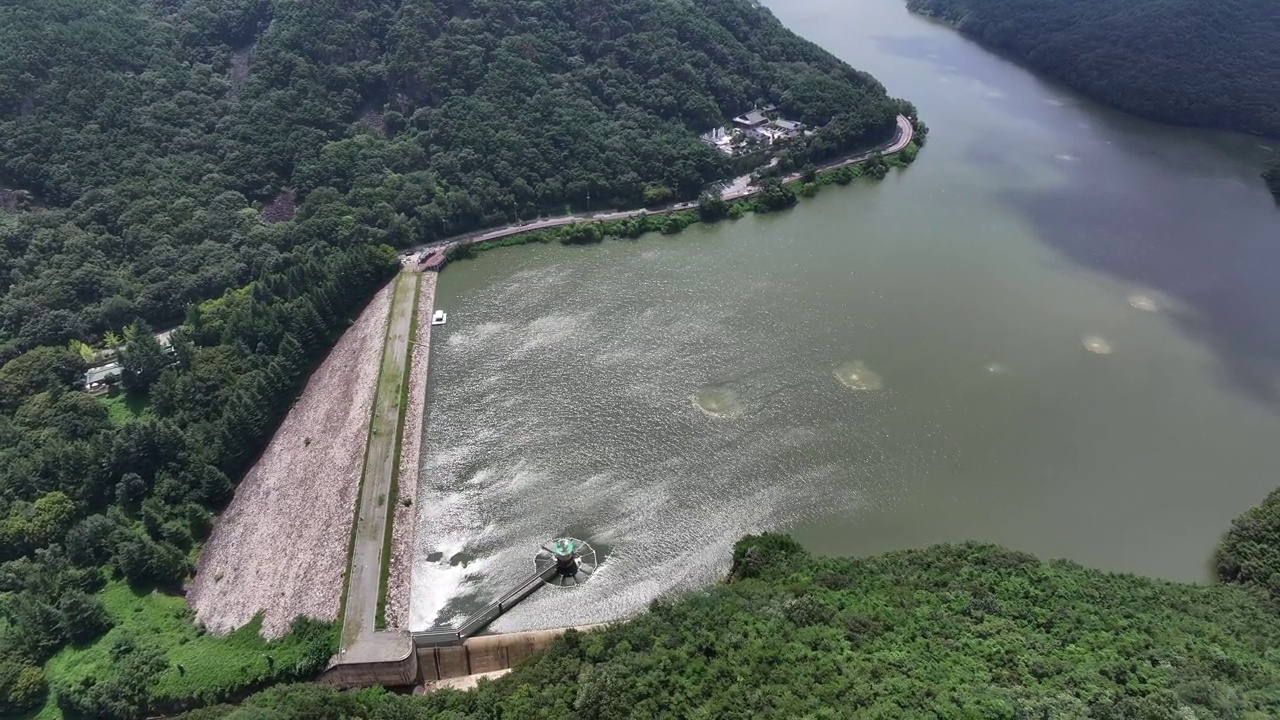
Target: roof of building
[
  {"x": 751, "y": 119},
  {"x": 788, "y": 124},
  {"x": 102, "y": 372},
  {"x": 433, "y": 261}
]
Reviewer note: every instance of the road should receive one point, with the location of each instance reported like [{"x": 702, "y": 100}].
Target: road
[
  {"x": 359, "y": 640},
  {"x": 738, "y": 188}
]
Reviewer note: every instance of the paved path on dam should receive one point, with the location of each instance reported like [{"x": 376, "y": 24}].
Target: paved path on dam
[
  {"x": 404, "y": 525},
  {"x": 360, "y": 641}
]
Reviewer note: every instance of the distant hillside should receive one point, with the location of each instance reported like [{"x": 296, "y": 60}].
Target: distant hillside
[
  {"x": 1201, "y": 63},
  {"x": 953, "y": 631}
]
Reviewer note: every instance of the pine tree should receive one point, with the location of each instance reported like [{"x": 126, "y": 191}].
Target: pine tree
[{"x": 142, "y": 358}]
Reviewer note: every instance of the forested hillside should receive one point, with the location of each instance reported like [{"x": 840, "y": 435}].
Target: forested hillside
[
  {"x": 244, "y": 169},
  {"x": 954, "y": 631},
  {"x": 147, "y": 133},
  {"x": 1202, "y": 63}
]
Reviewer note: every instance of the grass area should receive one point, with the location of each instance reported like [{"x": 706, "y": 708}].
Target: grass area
[
  {"x": 202, "y": 668},
  {"x": 384, "y": 573},
  {"x": 124, "y": 407}
]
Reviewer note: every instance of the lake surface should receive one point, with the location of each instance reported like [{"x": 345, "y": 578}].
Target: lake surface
[{"x": 1059, "y": 331}]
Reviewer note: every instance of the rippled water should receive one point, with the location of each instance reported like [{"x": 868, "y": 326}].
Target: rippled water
[
  {"x": 628, "y": 415},
  {"x": 1057, "y": 331}
]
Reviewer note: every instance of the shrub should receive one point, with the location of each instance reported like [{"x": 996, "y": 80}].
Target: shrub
[
  {"x": 753, "y": 555},
  {"x": 123, "y": 693},
  {"x": 1250, "y": 552},
  {"x": 657, "y": 195},
  {"x": 22, "y": 685}
]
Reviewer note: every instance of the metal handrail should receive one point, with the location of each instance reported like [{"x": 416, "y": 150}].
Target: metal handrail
[{"x": 449, "y": 635}]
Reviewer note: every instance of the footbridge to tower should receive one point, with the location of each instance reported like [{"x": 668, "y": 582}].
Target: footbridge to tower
[{"x": 397, "y": 658}]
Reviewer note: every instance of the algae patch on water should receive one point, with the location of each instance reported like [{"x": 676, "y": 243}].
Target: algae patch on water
[
  {"x": 718, "y": 401},
  {"x": 1142, "y": 302},
  {"x": 855, "y": 375},
  {"x": 1097, "y": 344}
]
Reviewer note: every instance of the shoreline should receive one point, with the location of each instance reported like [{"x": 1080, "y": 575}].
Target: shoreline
[{"x": 741, "y": 189}]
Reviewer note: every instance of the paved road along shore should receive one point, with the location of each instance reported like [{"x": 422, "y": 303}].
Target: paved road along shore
[{"x": 737, "y": 189}]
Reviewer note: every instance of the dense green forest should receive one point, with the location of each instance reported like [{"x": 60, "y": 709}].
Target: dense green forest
[
  {"x": 146, "y": 134},
  {"x": 244, "y": 170},
  {"x": 1185, "y": 62},
  {"x": 952, "y": 631}
]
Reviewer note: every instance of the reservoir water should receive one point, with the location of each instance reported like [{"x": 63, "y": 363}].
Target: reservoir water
[{"x": 1059, "y": 331}]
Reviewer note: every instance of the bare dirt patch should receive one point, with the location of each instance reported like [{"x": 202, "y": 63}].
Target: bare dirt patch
[
  {"x": 281, "y": 546},
  {"x": 374, "y": 120},
  {"x": 282, "y": 207},
  {"x": 406, "y": 515},
  {"x": 8, "y": 199},
  {"x": 240, "y": 69}
]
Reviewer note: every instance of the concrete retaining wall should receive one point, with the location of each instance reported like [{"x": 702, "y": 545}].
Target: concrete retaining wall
[
  {"x": 484, "y": 654},
  {"x": 398, "y": 671}
]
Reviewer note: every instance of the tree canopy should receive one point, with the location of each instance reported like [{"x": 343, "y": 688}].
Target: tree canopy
[
  {"x": 1250, "y": 553},
  {"x": 1184, "y": 62}
]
